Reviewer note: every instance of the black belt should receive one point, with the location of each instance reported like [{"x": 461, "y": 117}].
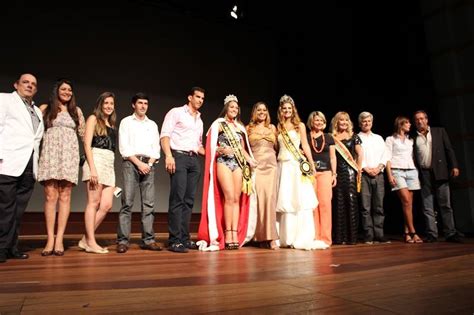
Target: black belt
[
  {"x": 322, "y": 166},
  {"x": 323, "y": 169},
  {"x": 365, "y": 174},
  {"x": 188, "y": 153}
]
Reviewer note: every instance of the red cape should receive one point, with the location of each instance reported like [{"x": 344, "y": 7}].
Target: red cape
[{"x": 207, "y": 228}]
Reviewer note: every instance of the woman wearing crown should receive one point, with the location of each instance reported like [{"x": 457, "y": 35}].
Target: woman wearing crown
[
  {"x": 296, "y": 198},
  {"x": 227, "y": 202}
]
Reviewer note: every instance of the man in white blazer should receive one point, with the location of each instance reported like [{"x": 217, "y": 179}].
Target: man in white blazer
[{"x": 21, "y": 130}]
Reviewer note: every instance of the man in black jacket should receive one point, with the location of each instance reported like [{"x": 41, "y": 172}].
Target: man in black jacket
[{"x": 437, "y": 162}]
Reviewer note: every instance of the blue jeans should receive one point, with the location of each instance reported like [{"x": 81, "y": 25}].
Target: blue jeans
[
  {"x": 439, "y": 189},
  {"x": 184, "y": 183},
  {"x": 131, "y": 179}
]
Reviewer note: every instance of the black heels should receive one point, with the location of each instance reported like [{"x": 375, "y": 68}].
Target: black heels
[
  {"x": 235, "y": 245},
  {"x": 232, "y": 245},
  {"x": 228, "y": 245}
]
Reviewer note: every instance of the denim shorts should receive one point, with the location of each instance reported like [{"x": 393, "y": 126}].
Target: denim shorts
[{"x": 406, "y": 178}]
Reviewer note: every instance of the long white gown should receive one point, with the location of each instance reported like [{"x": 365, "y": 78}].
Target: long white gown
[{"x": 296, "y": 201}]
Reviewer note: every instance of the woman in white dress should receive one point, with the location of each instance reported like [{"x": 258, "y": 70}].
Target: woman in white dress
[{"x": 296, "y": 198}]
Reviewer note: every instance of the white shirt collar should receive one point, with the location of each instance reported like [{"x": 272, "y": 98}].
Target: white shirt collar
[
  {"x": 137, "y": 119},
  {"x": 421, "y": 134},
  {"x": 186, "y": 109}
]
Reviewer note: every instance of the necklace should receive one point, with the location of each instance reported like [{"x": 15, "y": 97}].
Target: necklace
[{"x": 315, "y": 148}]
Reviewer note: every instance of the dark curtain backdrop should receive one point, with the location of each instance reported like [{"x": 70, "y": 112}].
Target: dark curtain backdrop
[{"x": 329, "y": 56}]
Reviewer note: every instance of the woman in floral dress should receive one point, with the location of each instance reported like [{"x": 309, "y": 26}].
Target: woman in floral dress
[{"x": 59, "y": 161}]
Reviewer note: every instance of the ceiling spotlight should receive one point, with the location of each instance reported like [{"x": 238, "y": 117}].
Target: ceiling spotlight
[{"x": 233, "y": 13}]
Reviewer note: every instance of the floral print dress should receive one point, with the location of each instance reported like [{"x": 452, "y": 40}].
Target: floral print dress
[{"x": 59, "y": 156}]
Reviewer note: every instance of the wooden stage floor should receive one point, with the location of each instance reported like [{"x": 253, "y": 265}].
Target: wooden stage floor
[{"x": 394, "y": 278}]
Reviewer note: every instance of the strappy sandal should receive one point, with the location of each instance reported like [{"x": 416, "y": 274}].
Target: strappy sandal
[
  {"x": 409, "y": 238},
  {"x": 228, "y": 245},
  {"x": 235, "y": 245},
  {"x": 416, "y": 239}
]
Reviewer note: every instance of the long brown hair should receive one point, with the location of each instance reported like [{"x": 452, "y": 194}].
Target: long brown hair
[
  {"x": 253, "y": 117},
  {"x": 52, "y": 109},
  {"x": 226, "y": 108},
  {"x": 295, "y": 118},
  {"x": 397, "y": 125},
  {"x": 101, "y": 127}
]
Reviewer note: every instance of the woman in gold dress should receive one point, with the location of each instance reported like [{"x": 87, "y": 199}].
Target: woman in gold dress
[{"x": 262, "y": 137}]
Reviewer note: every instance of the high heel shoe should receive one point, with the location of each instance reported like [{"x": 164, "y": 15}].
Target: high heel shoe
[
  {"x": 416, "y": 239},
  {"x": 409, "y": 238},
  {"x": 235, "y": 245},
  {"x": 228, "y": 245}
]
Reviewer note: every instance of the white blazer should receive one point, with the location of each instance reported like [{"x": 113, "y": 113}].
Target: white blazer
[{"x": 17, "y": 138}]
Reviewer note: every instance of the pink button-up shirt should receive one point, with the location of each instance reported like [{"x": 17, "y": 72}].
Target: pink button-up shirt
[{"x": 183, "y": 129}]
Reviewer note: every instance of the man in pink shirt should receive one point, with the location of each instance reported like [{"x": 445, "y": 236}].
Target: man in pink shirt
[{"x": 181, "y": 141}]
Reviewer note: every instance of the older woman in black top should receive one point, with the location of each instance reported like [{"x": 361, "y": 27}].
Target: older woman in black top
[{"x": 324, "y": 157}]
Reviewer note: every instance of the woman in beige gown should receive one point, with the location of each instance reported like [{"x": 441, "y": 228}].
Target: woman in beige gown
[{"x": 262, "y": 138}]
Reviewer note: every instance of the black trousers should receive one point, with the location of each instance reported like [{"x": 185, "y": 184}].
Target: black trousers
[
  {"x": 184, "y": 183},
  {"x": 15, "y": 192}
]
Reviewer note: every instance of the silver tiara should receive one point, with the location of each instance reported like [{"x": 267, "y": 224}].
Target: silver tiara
[
  {"x": 230, "y": 98},
  {"x": 286, "y": 99}
]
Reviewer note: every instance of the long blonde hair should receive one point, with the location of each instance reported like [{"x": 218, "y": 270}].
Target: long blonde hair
[
  {"x": 101, "y": 127},
  {"x": 335, "y": 120},
  {"x": 295, "y": 118}
]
